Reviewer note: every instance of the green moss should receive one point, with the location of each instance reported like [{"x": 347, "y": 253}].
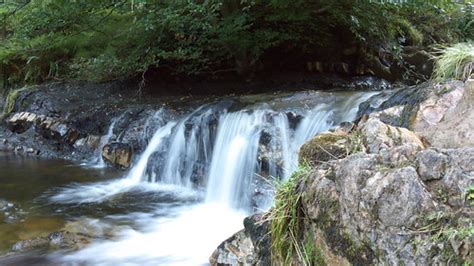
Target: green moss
[
  {"x": 356, "y": 142},
  {"x": 353, "y": 250},
  {"x": 11, "y": 100},
  {"x": 328, "y": 211},
  {"x": 406, "y": 28},
  {"x": 325, "y": 147},
  {"x": 470, "y": 195}
]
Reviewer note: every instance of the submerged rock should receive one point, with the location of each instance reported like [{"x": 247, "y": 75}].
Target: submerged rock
[{"x": 55, "y": 240}]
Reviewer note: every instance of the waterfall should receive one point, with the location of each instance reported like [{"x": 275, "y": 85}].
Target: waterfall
[
  {"x": 137, "y": 173},
  {"x": 280, "y": 144},
  {"x": 103, "y": 141},
  {"x": 186, "y": 150},
  {"x": 218, "y": 159},
  {"x": 281, "y": 141},
  {"x": 234, "y": 158},
  {"x": 262, "y": 139}
]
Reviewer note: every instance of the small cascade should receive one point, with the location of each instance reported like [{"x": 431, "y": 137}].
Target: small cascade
[
  {"x": 280, "y": 143},
  {"x": 189, "y": 145},
  {"x": 103, "y": 141},
  {"x": 137, "y": 173},
  {"x": 230, "y": 150},
  {"x": 234, "y": 158}
]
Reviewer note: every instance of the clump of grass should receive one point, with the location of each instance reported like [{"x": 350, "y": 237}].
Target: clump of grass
[
  {"x": 286, "y": 220},
  {"x": 454, "y": 62}
]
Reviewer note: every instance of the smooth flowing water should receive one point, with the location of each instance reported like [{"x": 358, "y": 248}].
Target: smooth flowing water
[
  {"x": 103, "y": 141},
  {"x": 197, "y": 178}
]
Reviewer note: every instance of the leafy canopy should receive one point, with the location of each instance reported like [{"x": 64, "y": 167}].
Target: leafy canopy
[{"x": 104, "y": 40}]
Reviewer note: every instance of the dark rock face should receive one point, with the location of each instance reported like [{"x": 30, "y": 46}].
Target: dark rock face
[
  {"x": 117, "y": 154},
  {"x": 420, "y": 61},
  {"x": 401, "y": 105},
  {"x": 67, "y": 120},
  {"x": 47, "y": 127},
  {"x": 250, "y": 246},
  {"x": 258, "y": 229}
]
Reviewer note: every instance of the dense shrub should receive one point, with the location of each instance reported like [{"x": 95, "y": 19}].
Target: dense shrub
[{"x": 103, "y": 40}]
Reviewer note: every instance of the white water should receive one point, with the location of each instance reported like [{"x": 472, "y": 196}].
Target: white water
[
  {"x": 183, "y": 153},
  {"x": 138, "y": 171},
  {"x": 227, "y": 158},
  {"x": 103, "y": 141},
  {"x": 186, "y": 237},
  {"x": 235, "y": 158}
]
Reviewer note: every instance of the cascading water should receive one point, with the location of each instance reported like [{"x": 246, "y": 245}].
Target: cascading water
[
  {"x": 281, "y": 143},
  {"x": 234, "y": 158},
  {"x": 185, "y": 151},
  {"x": 103, "y": 141},
  {"x": 138, "y": 171},
  {"x": 223, "y": 150}
]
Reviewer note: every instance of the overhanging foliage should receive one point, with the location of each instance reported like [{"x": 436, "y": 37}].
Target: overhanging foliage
[{"x": 105, "y": 40}]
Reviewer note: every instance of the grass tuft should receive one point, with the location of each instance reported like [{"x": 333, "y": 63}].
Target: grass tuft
[
  {"x": 454, "y": 62},
  {"x": 286, "y": 220}
]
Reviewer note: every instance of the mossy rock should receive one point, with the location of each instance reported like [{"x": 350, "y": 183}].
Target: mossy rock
[{"x": 325, "y": 147}]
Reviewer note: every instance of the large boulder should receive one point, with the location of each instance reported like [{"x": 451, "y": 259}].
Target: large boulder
[
  {"x": 440, "y": 113},
  {"x": 446, "y": 118},
  {"x": 393, "y": 202},
  {"x": 448, "y": 173},
  {"x": 378, "y": 136}
]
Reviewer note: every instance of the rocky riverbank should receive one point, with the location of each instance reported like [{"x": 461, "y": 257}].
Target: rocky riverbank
[
  {"x": 396, "y": 188},
  {"x": 75, "y": 120}
]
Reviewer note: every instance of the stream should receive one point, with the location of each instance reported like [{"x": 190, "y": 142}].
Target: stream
[{"x": 189, "y": 189}]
